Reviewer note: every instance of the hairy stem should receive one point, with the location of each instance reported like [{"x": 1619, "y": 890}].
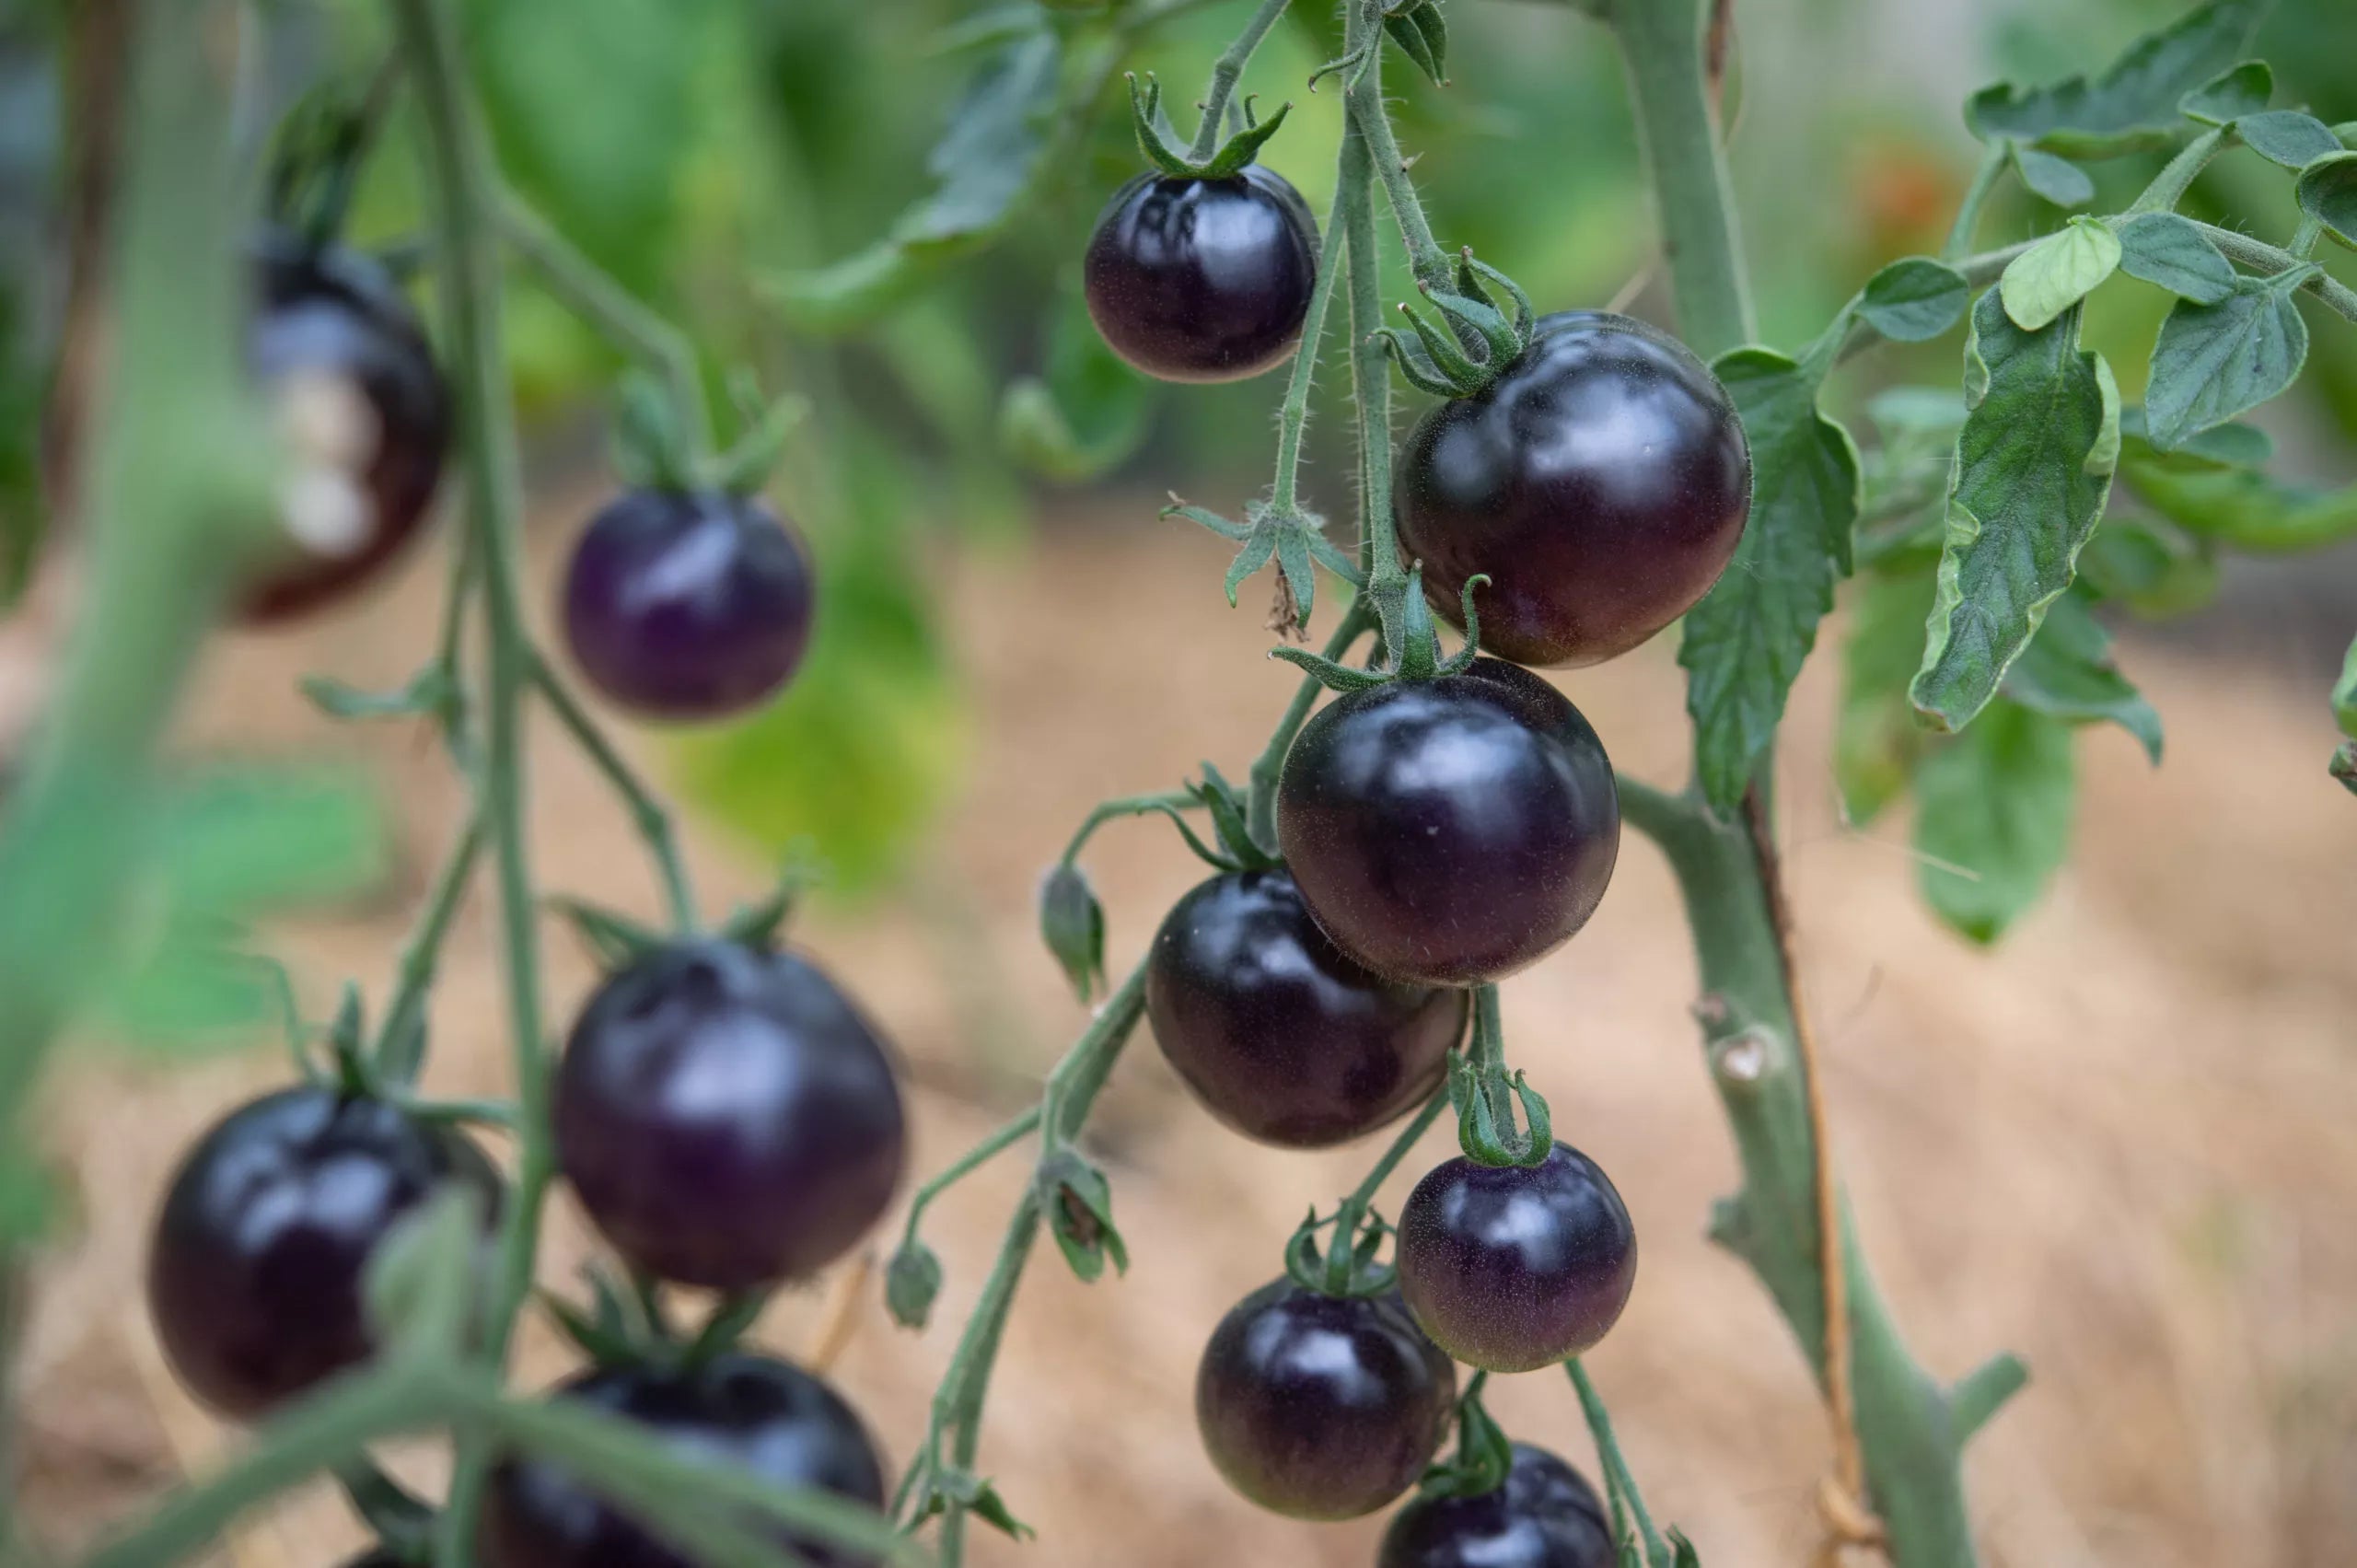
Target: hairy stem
[
  {"x": 2177, "y": 177},
  {"x": 1225, "y": 72},
  {"x": 2265, "y": 259},
  {"x": 1386, "y": 579},
  {"x": 1363, "y": 98},
  {"x": 1269, "y": 766},
  {"x": 1293, "y": 418}
]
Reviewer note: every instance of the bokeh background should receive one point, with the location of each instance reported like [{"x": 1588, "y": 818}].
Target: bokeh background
[{"x": 2117, "y": 1144}]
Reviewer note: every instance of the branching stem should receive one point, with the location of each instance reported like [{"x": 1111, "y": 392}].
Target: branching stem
[{"x": 1225, "y": 72}]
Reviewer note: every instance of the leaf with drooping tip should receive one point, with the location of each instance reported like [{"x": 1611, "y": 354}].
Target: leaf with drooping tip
[
  {"x": 2068, "y": 672},
  {"x": 1992, "y": 817}
]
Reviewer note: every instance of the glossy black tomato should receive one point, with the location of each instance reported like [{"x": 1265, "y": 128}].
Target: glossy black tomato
[
  {"x": 688, "y": 605},
  {"x": 1281, "y": 1034},
  {"x": 1546, "y": 1515},
  {"x": 1450, "y": 832},
  {"x": 727, "y": 1117},
  {"x": 1602, "y": 482},
  {"x": 377, "y": 1558},
  {"x": 343, "y": 359},
  {"x": 1322, "y": 1407},
  {"x": 254, "y": 1276},
  {"x": 778, "y": 1422},
  {"x": 1511, "y": 1268},
  {"x": 1202, "y": 280}
]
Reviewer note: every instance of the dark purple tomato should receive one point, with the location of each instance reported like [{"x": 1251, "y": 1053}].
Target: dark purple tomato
[
  {"x": 1450, "y": 832},
  {"x": 1546, "y": 1515},
  {"x": 255, "y": 1273},
  {"x": 1602, "y": 482},
  {"x": 343, "y": 357},
  {"x": 1202, "y": 280},
  {"x": 1278, "y": 1033},
  {"x": 1322, "y": 1407},
  {"x": 727, "y": 1117},
  {"x": 778, "y": 1422},
  {"x": 377, "y": 1558},
  {"x": 688, "y": 605},
  {"x": 1511, "y": 1268}
]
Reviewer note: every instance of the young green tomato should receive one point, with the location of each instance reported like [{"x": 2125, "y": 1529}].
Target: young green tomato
[
  {"x": 367, "y": 416},
  {"x": 688, "y": 605},
  {"x": 1510, "y": 1269},
  {"x": 1282, "y": 1035},
  {"x": 254, "y": 1276},
  {"x": 1546, "y": 1515},
  {"x": 727, "y": 1117},
  {"x": 781, "y": 1423},
  {"x": 1322, "y": 1407},
  {"x": 1601, "y": 481},
  {"x": 1202, "y": 280},
  {"x": 1450, "y": 832}
]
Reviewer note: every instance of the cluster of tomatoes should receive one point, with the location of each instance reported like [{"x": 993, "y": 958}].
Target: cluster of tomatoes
[
  {"x": 725, "y": 1115},
  {"x": 1436, "y": 834}
]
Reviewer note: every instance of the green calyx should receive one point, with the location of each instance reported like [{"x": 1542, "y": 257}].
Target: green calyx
[
  {"x": 1476, "y": 339},
  {"x": 1483, "y": 1454},
  {"x": 661, "y": 445},
  {"x": 1163, "y": 151},
  {"x": 632, "y": 1329},
  {"x": 1409, "y": 630},
  {"x": 1350, "y": 1266}
]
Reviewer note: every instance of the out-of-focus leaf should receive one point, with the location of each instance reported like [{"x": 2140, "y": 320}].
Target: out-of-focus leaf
[
  {"x": 990, "y": 155},
  {"x": 2133, "y": 105},
  {"x": 1876, "y": 739},
  {"x": 2213, "y": 362},
  {"x": 1085, "y": 414},
  {"x": 2232, "y": 93},
  {"x": 1744, "y": 643},
  {"x": 241, "y": 842},
  {"x": 2344, "y": 693},
  {"x": 2033, "y": 471},
  {"x": 2235, "y": 505},
  {"x": 1993, "y": 822},
  {"x": 2167, "y": 250},
  {"x": 2068, "y": 672},
  {"x": 2327, "y": 192},
  {"x": 2154, "y": 571}
]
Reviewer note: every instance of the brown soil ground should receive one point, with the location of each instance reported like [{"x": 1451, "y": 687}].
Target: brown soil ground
[{"x": 2120, "y": 1145}]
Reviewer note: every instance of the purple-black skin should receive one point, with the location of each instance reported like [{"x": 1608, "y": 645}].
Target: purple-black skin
[
  {"x": 727, "y": 1117},
  {"x": 1322, "y": 1407},
  {"x": 1602, "y": 482},
  {"x": 1202, "y": 280},
  {"x": 1280, "y": 1035},
  {"x": 377, "y": 1558},
  {"x": 1511, "y": 1268},
  {"x": 1546, "y": 1515},
  {"x": 1450, "y": 832},
  {"x": 783, "y": 1425},
  {"x": 688, "y": 605},
  {"x": 335, "y": 311},
  {"x": 254, "y": 1275}
]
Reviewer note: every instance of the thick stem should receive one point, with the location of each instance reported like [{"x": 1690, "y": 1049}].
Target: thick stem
[
  {"x": 1386, "y": 579},
  {"x": 2177, "y": 177},
  {"x": 2265, "y": 259},
  {"x": 465, "y": 195},
  {"x": 647, "y": 812},
  {"x": 1225, "y": 72}
]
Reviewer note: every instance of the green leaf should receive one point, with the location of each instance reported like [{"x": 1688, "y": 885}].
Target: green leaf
[
  {"x": 2229, "y": 94},
  {"x": 2328, "y": 192},
  {"x": 2344, "y": 693},
  {"x": 2171, "y": 252},
  {"x": 2068, "y": 672},
  {"x": 241, "y": 841},
  {"x": 2288, "y": 137},
  {"x": 2237, "y": 506},
  {"x": 2133, "y": 105},
  {"x": 2236, "y": 444},
  {"x": 1744, "y": 643},
  {"x": 1087, "y": 411},
  {"x": 2214, "y": 361},
  {"x": 1992, "y": 823},
  {"x": 2026, "y": 492},
  {"x": 1876, "y": 739},
  {"x": 2153, "y": 571},
  {"x": 1422, "y": 33},
  {"x": 1914, "y": 299},
  {"x": 1071, "y": 923},
  {"x": 2057, "y": 272},
  {"x": 2053, "y": 179},
  {"x": 992, "y": 155}
]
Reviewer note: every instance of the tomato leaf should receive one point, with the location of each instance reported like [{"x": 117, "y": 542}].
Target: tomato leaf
[
  {"x": 1744, "y": 643},
  {"x": 2231, "y": 94},
  {"x": 2068, "y": 672},
  {"x": 1992, "y": 824},
  {"x": 1914, "y": 299},
  {"x": 2154, "y": 570},
  {"x": 1876, "y": 740},
  {"x": 2171, "y": 252},
  {"x": 2235, "y": 504},
  {"x": 2328, "y": 192},
  {"x": 2133, "y": 105},
  {"x": 2057, "y": 180},
  {"x": 2288, "y": 137},
  {"x": 2033, "y": 469},
  {"x": 1083, "y": 414},
  {"x": 2212, "y": 362},
  {"x": 2057, "y": 272}
]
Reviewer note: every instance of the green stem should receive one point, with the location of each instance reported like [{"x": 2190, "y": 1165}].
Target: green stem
[
  {"x": 1363, "y": 98},
  {"x": 1123, "y": 807},
  {"x": 400, "y": 1043},
  {"x": 1293, "y": 418},
  {"x": 1357, "y": 616},
  {"x": 464, "y": 193},
  {"x": 2177, "y": 177},
  {"x": 647, "y": 812},
  {"x": 2265, "y": 259},
  {"x": 1225, "y": 72},
  {"x": 1662, "y": 43},
  {"x": 1386, "y": 579},
  {"x": 972, "y": 1160},
  {"x": 1993, "y": 162},
  {"x": 632, "y": 328},
  {"x": 1353, "y": 1210},
  {"x": 1616, "y": 1474}
]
